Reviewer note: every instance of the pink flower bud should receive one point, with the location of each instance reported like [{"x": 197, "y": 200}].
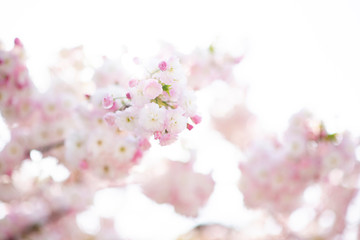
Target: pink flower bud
[
  {"x": 157, "y": 135},
  {"x": 189, "y": 126},
  {"x": 163, "y": 66},
  {"x": 196, "y": 119},
  {"x": 17, "y": 42},
  {"x": 128, "y": 96},
  {"x": 114, "y": 107},
  {"x": 108, "y": 102}
]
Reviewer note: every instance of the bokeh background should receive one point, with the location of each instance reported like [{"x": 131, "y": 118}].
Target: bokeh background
[{"x": 297, "y": 54}]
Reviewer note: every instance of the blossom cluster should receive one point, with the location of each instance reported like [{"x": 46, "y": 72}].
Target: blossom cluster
[
  {"x": 159, "y": 105},
  {"x": 57, "y": 205},
  {"x": 208, "y": 65},
  {"x": 278, "y": 171},
  {"x": 16, "y": 89},
  {"x": 203, "y": 66},
  {"x": 96, "y": 130},
  {"x": 47, "y": 124},
  {"x": 71, "y": 134},
  {"x": 177, "y": 184},
  {"x": 102, "y": 152}
]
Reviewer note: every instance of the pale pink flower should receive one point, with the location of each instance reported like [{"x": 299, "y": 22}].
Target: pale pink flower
[
  {"x": 175, "y": 120},
  {"x": 138, "y": 97},
  {"x": 188, "y": 103},
  {"x": 178, "y": 185},
  {"x": 124, "y": 150},
  {"x": 110, "y": 118},
  {"x": 205, "y": 66},
  {"x": 167, "y": 138},
  {"x": 196, "y": 119},
  {"x": 152, "y": 88},
  {"x": 239, "y": 126},
  {"x": 110, "y": 73},
  {"x": 144, "y": 144},
  {"x": 127, "y": 120},
  {"x": 108, "y": 102},
  {"x": 133, "y": 83},
  {"x": 172, "y": 73},
  {"x": 152, "y": 117},
  {"x": 157, "y": 135}
]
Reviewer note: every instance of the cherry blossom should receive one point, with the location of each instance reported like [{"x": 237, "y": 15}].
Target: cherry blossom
[
  {"x": 160, "y": 105},
  {"x": 94, "y": 128},
  {"x": 179, "y": 185}
]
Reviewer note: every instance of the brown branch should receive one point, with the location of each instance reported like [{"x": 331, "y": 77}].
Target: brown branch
[
  {"x": 37, "y": 226},
  {"x": 46, "y": 148}
]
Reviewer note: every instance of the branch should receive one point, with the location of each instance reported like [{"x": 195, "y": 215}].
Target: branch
[
  {"x": 37, "y": 226},
  {"x": 46, "y": 148}
]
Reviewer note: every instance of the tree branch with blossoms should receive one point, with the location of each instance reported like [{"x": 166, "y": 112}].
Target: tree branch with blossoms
[{"x": 98, "y": 132}]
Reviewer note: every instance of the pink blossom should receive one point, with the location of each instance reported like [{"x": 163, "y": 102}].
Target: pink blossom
[
  {"x": 239, "y": 126},
  {"x": 108, "y": 102},
  {"x": 178, "y": 185},
  {"x": 144, "y": 144},
  {"x": 138, "y": 155},
  {"x": 163, "y": 66},
  {"x": 196, "y": 119},
  {"x": 127, "y": 120},
  {"x": 21, "y": 77},
  {"x": 110, "y": 73},
  {"x": 110, "y": 118},
  {"x": 18, "y": 42},
  {"x": 152, "y": 117},
  {"x": 157, "y": 135},
  {"x": 133, "y": 83},
  {"x": 167, "y": 139},
  {"x": 152, "y": 88},
  {"x": 172, "y": 73},
  {"x": 277, "y": 173}
]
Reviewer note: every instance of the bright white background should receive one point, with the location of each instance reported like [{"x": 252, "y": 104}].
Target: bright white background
[{"x": 298, "y": 54}]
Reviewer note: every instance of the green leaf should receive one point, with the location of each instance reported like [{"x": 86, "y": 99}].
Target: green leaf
[
  {"x": 166, "y": 88},
  {"x": 211, "y": 49},
  {"x": 331, "y": 137}
]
